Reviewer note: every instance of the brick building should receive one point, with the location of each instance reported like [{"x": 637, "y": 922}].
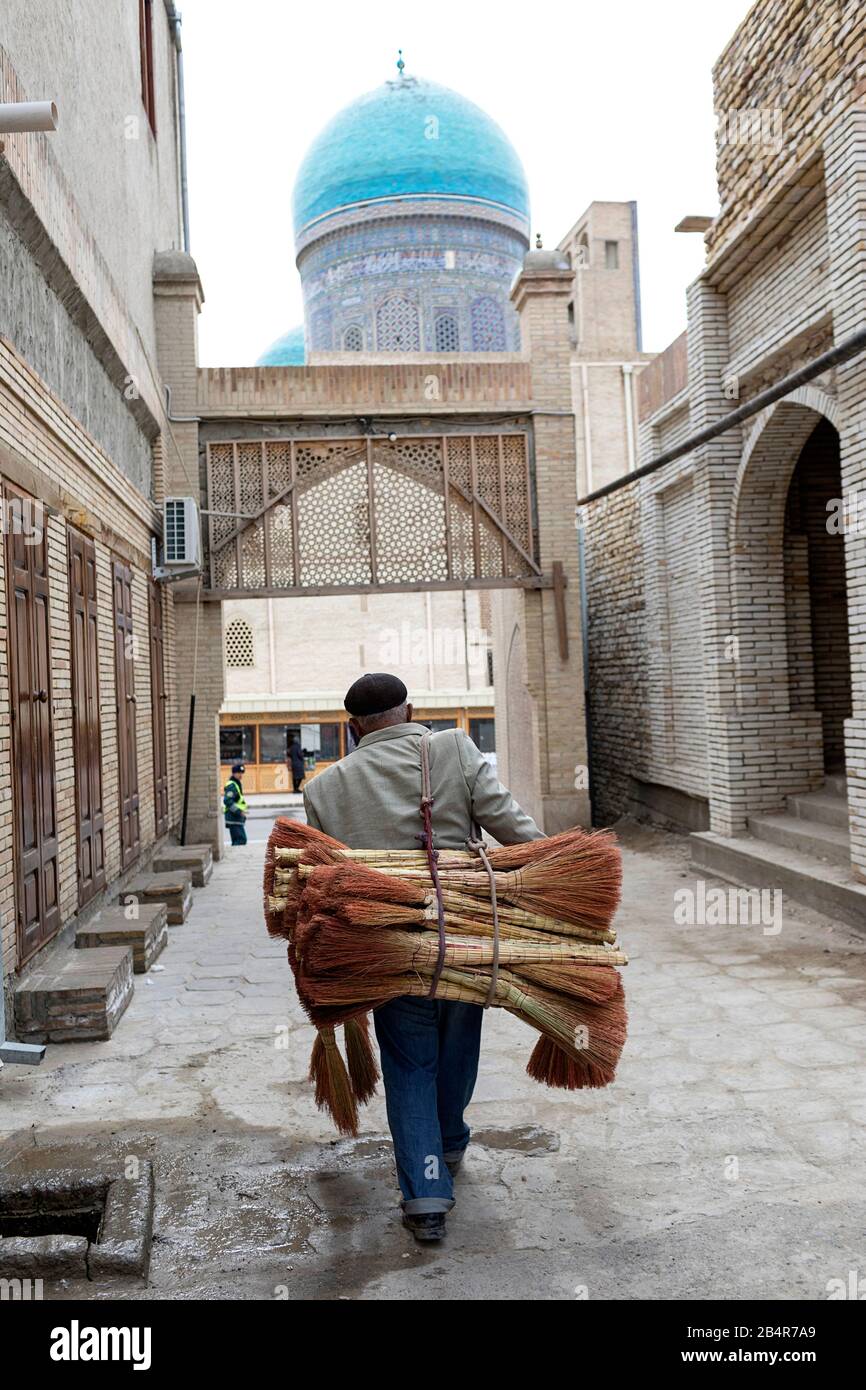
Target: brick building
[
  {"x": 88, "y": 212},
  {"x": 726, "y": 610}
]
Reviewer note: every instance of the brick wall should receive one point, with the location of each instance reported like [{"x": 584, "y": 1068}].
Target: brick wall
[
  {"x": 404, "y": 383},
  {"x": 61, "y": 694},
  {"x": 801, "y": 60},
  {"x": 617, "y": 649}
]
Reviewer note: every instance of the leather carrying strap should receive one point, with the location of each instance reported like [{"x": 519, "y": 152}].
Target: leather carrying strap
[{"x": 476, "y": 845}]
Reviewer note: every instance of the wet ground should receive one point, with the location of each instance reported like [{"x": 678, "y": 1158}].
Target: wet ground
[{"x": 727, "y": 1161}]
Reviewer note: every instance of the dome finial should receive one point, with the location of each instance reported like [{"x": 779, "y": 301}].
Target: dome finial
[
  {"x": 538, "y": 241},
  {"x": 400, "y": 64}
]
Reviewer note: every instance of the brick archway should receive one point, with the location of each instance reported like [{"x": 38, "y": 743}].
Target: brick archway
[
  {"x": 757, "y": 555},
  {"x": 778, "y": 728}
]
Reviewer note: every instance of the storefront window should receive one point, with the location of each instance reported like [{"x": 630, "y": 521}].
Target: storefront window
[
  {"x": 273, "y": 742},
  {"x": 321, "y": 742},
  {"x": 237, "y": 743},
  {"x": 483, "y": 734},
  {"x": 438, "y": 724}
]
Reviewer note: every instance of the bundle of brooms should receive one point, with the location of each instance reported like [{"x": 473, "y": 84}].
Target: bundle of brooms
[{"x": 363, "y": 927}]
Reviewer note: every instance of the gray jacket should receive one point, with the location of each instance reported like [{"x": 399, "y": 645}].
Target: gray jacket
[{"x": 371, "y": 798}]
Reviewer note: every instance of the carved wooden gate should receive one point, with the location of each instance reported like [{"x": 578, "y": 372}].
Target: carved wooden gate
[
  {"x": 85, "y": 715},
  {"x": 337, "y": 515},
  {"x": 127, "y": 745},
  {"x": 37, "y": 883}
]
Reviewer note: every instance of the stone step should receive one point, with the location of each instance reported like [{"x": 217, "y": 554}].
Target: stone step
[
  {"x": 836, "y": 783},
  {"x": 823, "y": 842},
  {"x": 821, "y": 806},
  {"x": 827, "y": 888},
  {"x": 77, "y": 997},
  {"x": 197, "y": 859},
  {"x": 146, "y": 934},
  {"x": 174, "y": 888}
]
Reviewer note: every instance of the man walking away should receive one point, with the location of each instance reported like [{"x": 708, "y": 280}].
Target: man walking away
[
  {"x": 296, "y": 763},
  {"x": 235, "y": 806},
  {"x": 429, "y": 1047}
]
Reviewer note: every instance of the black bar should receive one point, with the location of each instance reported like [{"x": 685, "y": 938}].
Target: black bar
[
  {"x": 845, "y": 350},
  {"x": 188, "y": 768}
]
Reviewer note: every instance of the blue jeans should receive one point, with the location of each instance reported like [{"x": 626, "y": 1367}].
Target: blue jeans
[
  {"x": 237, "y": 830},
  {"x": 429, "y": 1050}
]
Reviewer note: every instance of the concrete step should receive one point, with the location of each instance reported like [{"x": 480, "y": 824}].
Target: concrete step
[
  {"x": 827, "y": 888},
  {"x": 173, "y": 888},
  {"x": 146, "y": 934},
  {"x": 77, "y": 997},
  {"x": 196, "y": 859},
  {"x": 821, "y": 806},
  {"x": 822, "y": 842},
  {"x": 836, "y": 783}
]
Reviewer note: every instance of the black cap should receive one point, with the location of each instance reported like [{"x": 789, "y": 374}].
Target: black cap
[
  {"x": 238, "y": 767},
  {"x": 375, "y": 693}
]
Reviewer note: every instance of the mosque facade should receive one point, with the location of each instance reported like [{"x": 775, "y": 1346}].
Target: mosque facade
[{"x": 411, "y": 222}]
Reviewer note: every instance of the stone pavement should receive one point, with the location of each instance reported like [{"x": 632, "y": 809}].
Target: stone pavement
[{"x": 727, "y": 1161}]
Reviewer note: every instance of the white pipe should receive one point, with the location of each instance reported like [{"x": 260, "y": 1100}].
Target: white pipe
[
  {"x": 628, "y": 387},
  {"x": 587, "y": 446},
  {"x": 27, "y": 115}
]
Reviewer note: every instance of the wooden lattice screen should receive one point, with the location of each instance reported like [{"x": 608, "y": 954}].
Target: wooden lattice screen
[{"x": 324, "y": 516}]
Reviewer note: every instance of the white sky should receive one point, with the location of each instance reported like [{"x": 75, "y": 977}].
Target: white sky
[{"x": 601, "y": 101}]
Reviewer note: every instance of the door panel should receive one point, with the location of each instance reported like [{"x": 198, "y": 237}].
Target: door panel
[
  {"x": 37, "y": 895},
  {"x": 127, "y": 752},
  {"x": 85, "y": 712},
  {"x": 158, "y": 702}
]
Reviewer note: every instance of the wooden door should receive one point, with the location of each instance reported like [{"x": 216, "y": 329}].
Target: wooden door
[
  {"x": 127, "y": 751},
  {"x": 86, "y": 733},
  {"x": 158, "y": 701},
  {"x": 37, "y": 895}
]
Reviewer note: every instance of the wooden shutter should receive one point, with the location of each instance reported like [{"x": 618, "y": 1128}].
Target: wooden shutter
[
  {"x": 127, "y": 751},
  {"x": 86, "y": 731},
  {"x": 37, "y": 895},
  {"x": 158, "y": 701}
]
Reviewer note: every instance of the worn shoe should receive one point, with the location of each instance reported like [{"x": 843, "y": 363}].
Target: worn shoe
[{"x": 428, "y": 1227}]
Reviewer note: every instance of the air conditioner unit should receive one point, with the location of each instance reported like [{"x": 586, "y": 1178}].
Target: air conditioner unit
[{"x": 181, "y": 548}]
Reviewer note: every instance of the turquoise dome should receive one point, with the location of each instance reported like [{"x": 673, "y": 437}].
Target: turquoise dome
[
  {"x": 287, "y": 351},
  {"x": 408, "y": 138}
]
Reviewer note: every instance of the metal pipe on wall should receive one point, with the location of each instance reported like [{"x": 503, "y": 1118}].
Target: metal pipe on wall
[{"x": 174, "y": 20}]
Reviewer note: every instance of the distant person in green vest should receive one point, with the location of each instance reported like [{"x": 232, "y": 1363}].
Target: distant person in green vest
[
  {"x": 235, "y": 806},
  {"x": 297, "y": 765}
]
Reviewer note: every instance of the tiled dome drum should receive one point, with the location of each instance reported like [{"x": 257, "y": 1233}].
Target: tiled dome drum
[{"x": 411, "y": 221}]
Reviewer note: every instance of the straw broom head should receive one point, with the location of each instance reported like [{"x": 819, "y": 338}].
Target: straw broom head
[
  {"x": 507, "y": 857},
  {"x": 317, "y": 848},
  {"x": 353, "y": 880},
  {"x": 333, "y": 1089},
  {"x": 578, "y": 883}
]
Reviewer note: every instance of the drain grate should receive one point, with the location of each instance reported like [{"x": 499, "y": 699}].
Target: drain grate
[{"x": 73, "y": 1224}]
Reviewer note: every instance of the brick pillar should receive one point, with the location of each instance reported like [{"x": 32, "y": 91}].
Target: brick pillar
[
  {"x": 715, "y": 467},
  {"x": 177, "y": 301},
  {"x": 845, "y": 176},
  {"x": 555, "y": 685}
]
